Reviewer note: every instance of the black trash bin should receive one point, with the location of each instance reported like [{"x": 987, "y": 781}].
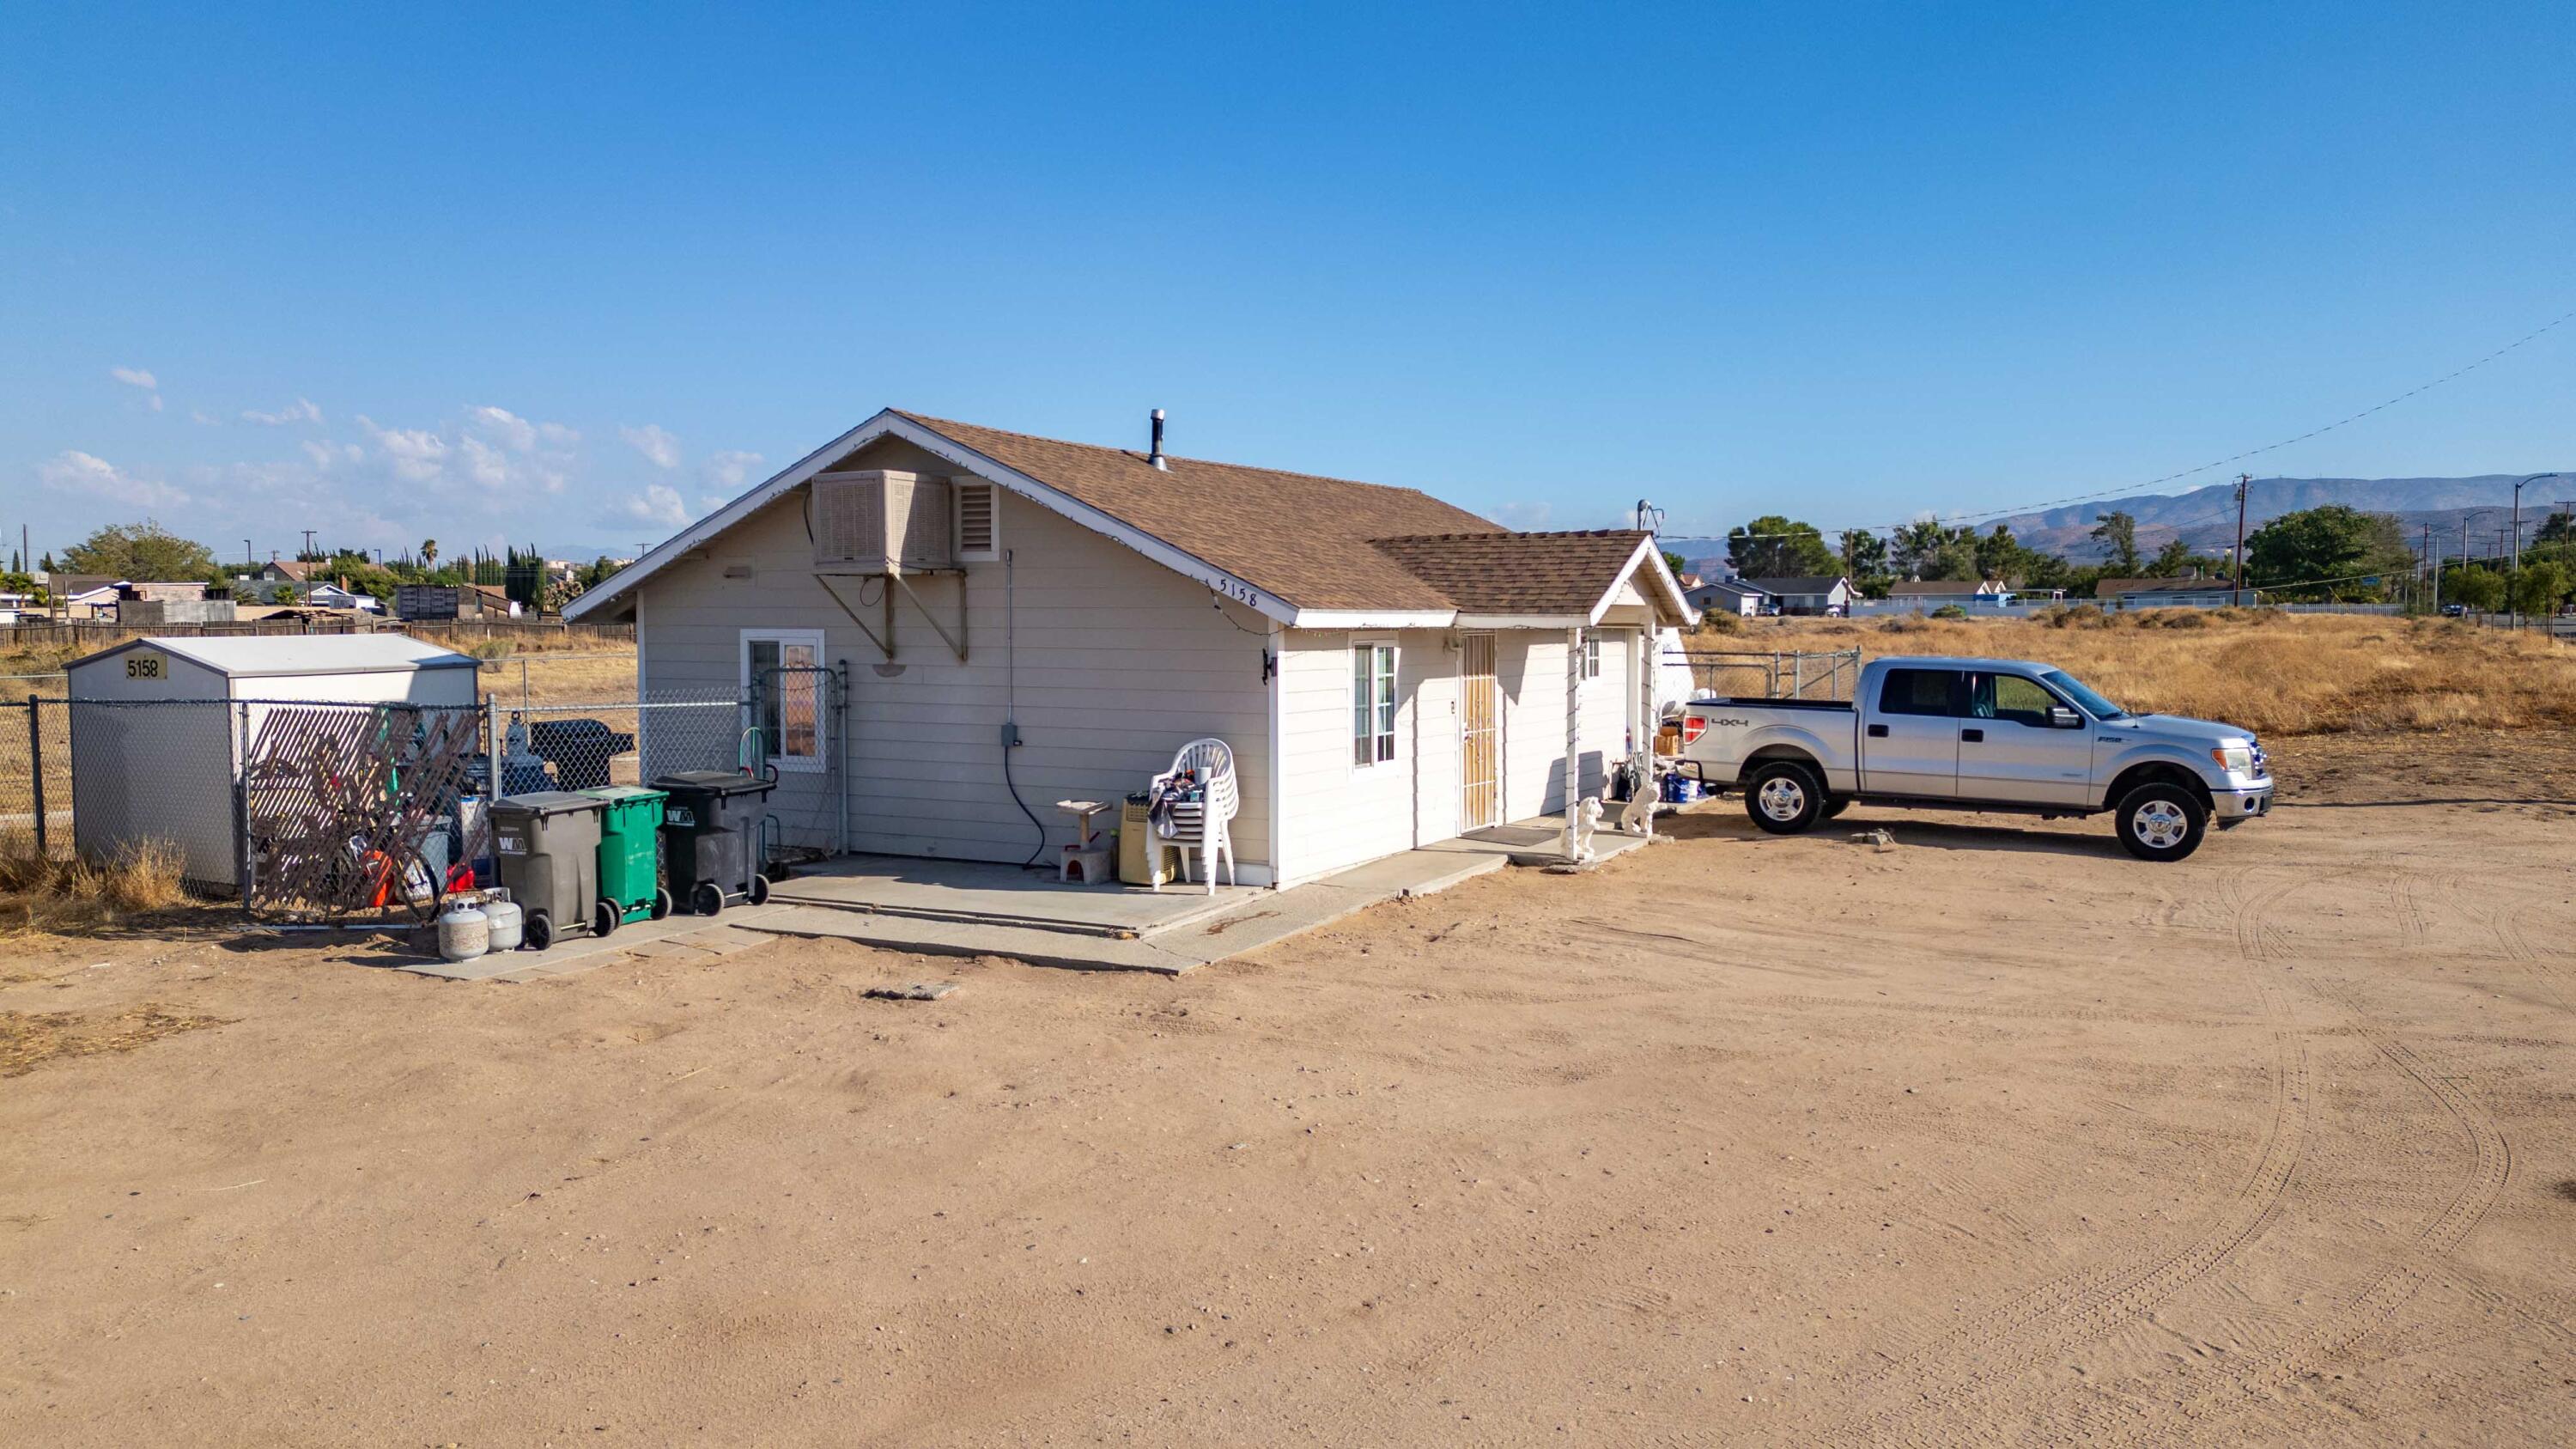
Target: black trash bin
[
  {"x": 709, "y": 828},
  {"x": 546, "y": 844}
]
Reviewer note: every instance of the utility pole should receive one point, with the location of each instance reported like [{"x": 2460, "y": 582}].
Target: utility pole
[
  {"x": 2236, "y": 584},
  {"x": 2435, "y": 560},
  {"x": 308, "y": 543}
]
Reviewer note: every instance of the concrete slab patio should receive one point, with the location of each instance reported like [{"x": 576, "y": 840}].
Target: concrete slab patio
[
  {"x": 979, "y": 893},
  {"x": 1178, "y": 943}
]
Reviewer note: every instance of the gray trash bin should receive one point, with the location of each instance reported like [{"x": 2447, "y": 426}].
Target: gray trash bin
[
  {"x": 709, "y": 826},
  {"x": 547, "y": 846}
]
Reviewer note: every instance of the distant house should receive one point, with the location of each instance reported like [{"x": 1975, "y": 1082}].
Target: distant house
[
  {"x": 1824, "y": 594},
  {"x": 12, "y": 606},
  {"x": 1728, "y": 596},
  {"x": 1949, "y": 591},
  {"x": 332, "y": 596},
  {"x": 84, "y": 596},
  {"x": 2194, "y": 593}
]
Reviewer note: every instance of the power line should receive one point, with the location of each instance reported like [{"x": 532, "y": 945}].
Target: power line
[{"x": 1979, "y": 516}]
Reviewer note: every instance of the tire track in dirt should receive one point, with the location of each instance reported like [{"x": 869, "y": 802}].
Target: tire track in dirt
[
  {"x": 1997, "y": 1348},
  {"x": 2369, "y": 1310}
]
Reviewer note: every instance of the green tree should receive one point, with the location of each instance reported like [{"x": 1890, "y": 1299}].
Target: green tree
[
  {"x": 1774, "y": 547},
  {"x": 2171, "y": 561},
  {"x": 139, "y": 551},
  {"x": 2326, "y": 552},
  {"x": 2539, "y": 588},
  {"x": 1955, "y": 559},
  {"x": 1864, "y": 553},
  {"x": 2118, "y": 532},
  {"x": 2001, "y": 556},
  {"x": 1678, "y": 564},
  {"x": 2478, "y": 587},
  {"x": 428, "y": 554},
  {"x": 1915, "y": 545}
]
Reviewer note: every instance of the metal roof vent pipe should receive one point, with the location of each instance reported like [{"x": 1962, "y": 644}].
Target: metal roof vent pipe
[{"x": 1156, "y": 457}]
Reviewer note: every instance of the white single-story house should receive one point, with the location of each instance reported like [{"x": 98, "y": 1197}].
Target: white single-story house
[
  {"x": 1388, "y": 669},
  {"x": 1823, "y": 594},
  {"x": 1728, "y": 596}
]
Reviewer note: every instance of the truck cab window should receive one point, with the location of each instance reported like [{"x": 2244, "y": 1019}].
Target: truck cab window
[
  {"x": 1920, "y": 691},
  {"x": 2011, "y": 697}
]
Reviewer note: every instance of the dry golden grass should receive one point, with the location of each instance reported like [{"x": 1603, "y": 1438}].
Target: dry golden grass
[
  {"x": 2270, "y": 672},
  {"x": 77, "y": 897}
]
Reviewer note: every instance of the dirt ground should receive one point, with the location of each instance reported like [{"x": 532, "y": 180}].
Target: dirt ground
[{"x": 1997, "y": 1136}]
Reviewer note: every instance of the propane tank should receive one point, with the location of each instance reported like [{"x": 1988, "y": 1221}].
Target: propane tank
[
  {"x": 463, "y": 934},
  {"x": 506, "y": 922}
]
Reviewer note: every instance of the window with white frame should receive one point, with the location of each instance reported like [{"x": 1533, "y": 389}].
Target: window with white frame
[
  {"x": 782, "y": 680},
  {"x": 1592, "y": 654},
  {"x": 979, "y": 521},
  {"x": 1372, "y": 704}
]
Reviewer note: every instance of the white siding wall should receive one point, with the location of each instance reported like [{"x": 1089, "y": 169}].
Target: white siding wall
[
  {"x": 1119, "y": 663},
  {"x": 1531, "y": 665},
  {"x": 1338, "y": 812}
]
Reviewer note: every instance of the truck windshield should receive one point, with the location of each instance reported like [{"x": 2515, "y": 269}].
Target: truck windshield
[{"x": 2094, "y": 704}]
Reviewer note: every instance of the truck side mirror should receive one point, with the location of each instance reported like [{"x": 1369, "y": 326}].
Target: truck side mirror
[{"x": 2063, "y": 718}]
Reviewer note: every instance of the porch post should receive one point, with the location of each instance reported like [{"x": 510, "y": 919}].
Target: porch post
[
  {"x": 1647, "y": 723},
  {"x": 1573, "y": 736}
]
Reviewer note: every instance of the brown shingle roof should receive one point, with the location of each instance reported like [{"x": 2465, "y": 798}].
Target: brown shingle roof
[
  {"x": 1517, "y": 573},
  {"x": 1303, "y": 538}
]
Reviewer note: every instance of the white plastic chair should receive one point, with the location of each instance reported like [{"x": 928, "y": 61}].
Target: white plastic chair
[{"x": 1213, "y": 760}]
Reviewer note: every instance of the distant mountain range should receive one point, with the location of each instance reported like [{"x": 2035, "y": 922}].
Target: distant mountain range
[{"x": 2205, "y": 518}]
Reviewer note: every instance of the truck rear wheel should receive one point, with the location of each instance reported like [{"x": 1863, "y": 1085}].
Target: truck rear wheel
[
  {"x": 2161, "y": 821},
  {"x": 1784, "y": 797}
]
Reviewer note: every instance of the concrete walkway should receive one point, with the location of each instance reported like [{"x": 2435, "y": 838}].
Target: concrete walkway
[{"x": 1258, "y": 919}]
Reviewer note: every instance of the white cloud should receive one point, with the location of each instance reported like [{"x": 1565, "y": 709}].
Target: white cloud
[
  {"x": 72, "y": 471},
  {"x": 1525, "y": 517},
  {"x": 729, "y": 471},
  {"x": 515, "y": 431},
  {"x": 203, "y": 416},
  {"x": 558, "y": 434},
  {"x": 657, "y": 504},
  {"x": 416, "y": 454},
  {"x": 327, "y": 454},
  {"x": 654, "y": 443},
  {"x": 139, "y": 377},
  {"x": 301, "y": 410}
]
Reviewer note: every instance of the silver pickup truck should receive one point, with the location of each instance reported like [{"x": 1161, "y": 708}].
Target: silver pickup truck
[{"x": 1980, "y": 734}]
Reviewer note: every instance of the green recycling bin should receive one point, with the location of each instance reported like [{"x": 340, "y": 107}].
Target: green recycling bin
[{"x": 630, "y": 875}]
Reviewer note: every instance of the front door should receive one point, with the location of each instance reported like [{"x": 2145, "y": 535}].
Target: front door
[
  {"x": 2012, "y": 746},
  {"x": 1912, "y": 745},
  {"x": 1480, "y": 718}
]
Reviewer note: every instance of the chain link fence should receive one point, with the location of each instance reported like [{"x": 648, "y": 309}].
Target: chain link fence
[
  {"x": 369, "y": 813},
  {"x": 1751, "y": 674}
]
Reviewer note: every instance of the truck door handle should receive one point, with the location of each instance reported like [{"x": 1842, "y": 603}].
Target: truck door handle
[
  {"x": 1974, "y": 737},
  {"x": 1878, "y": 732}
]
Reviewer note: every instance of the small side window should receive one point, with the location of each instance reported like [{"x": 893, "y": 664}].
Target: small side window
[{"x": 1920, "y": 692}]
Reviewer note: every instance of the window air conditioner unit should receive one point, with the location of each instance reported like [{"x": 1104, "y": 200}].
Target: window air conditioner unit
[{"x": 882, "y": 522}]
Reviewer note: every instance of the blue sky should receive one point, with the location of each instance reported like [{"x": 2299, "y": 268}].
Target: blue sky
[{"x": 565, "y": 279}]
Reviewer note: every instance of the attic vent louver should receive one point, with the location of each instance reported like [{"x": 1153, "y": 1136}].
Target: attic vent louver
[{"x": 977, "y": 530}]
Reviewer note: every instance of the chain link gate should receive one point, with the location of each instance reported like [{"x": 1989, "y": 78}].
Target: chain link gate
[{"x": 796, "y": 733}]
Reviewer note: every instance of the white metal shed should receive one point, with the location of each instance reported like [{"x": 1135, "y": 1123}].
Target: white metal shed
[{"x": 159, "y": 724}]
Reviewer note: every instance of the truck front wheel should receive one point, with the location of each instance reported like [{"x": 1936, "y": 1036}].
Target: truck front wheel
[
  {"x": 2161, "y": 821},
  {"x": 1784, "y": 797}
]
